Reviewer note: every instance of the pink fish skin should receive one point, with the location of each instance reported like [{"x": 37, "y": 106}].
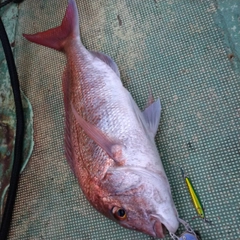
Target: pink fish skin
[{"x": 109, "y": 142}]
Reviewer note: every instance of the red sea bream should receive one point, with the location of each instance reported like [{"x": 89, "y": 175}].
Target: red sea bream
[{"x": 109, "y": 142}]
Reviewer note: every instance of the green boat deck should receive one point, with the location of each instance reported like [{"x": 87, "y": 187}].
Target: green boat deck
[{"x": 189, "y": 53}]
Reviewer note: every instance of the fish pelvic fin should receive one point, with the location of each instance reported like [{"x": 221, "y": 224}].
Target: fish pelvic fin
[
  {"x": 152, "y": 117},
  {"x": 56, "y": 38}
]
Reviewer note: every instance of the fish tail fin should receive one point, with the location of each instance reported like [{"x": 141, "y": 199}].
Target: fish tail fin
[{"x": 57, "y": 38}]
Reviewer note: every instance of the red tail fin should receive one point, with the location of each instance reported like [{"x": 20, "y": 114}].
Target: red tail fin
[{"x": 57, "y": 37}]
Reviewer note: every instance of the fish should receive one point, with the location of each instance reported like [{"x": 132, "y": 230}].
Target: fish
[{"x": 109, "y": 142}]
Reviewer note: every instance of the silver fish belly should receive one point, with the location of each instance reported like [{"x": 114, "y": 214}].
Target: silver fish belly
[{"x": 109, "y": 142}]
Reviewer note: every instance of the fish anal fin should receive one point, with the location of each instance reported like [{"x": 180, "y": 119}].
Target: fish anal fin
[
  {"x": 150, "y": 96},
  {"x": 108, "y": 60}
]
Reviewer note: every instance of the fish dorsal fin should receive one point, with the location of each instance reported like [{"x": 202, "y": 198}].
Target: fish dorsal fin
[
  {"x": 152, "y": 117},
  {"x": 108, "y": 60},
  {"x": 69, "y": 152},
  {"x": 111, "y": 147}
]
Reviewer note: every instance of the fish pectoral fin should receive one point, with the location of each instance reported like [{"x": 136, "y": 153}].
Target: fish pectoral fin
[
  {"x": 152, "y": 117},
  {"x": 112, "y": 148},
  {"x": 108, "y": 60}
]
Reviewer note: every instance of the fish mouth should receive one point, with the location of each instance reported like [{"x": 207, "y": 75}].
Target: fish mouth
[{"x": 159, "y": 229}]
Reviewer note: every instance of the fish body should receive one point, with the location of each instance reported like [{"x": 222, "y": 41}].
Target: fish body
[{"x": 109, "y": 142}]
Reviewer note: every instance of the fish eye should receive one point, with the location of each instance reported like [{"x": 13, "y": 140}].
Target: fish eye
[{"x": 119, "y": 213}]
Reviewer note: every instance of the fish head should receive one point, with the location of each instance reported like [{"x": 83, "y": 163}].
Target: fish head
[{"x": 140, "y": 200}]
